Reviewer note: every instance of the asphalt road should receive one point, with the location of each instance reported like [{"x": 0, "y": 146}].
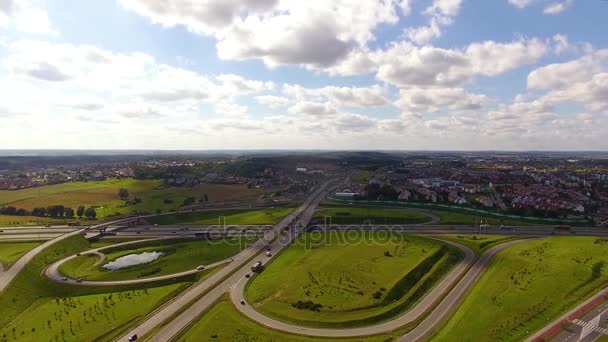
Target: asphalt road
[
  {"x": 10, "y": 274},
  {"x": 207, "y": 292},
  {"x": 456, "y": 295},
  {"x": 52, "y": 272},
  {"x": 588, "y": 328},
  {"x": 237, "y": 294}
]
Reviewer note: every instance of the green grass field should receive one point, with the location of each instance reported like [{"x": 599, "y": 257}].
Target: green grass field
[
  {"x": 104, "y": 196},
  {"x": 228, "y": 216},
  {"x": 30, "y": 293},
  {"x": 12, "y": 251},
  {"x": 528, "y": 285},
  {"x": 7, "y": 221},
  {"x": 224, "y": 323},
  {"x": 345, "y": 279},
  {"x": 85, "y": 318},
  {"x": 178, "y": 256},
  {"x": 476, "y": 243},
  {"x": 346, "y": 215},
  {"x": 364, "y": 177}
]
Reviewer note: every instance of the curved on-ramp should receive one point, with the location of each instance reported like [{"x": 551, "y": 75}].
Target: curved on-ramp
[
  {"x": 52, "y": 272},
  {"x": 237, "y": 294},
  {"x": 455, "y": 281}
]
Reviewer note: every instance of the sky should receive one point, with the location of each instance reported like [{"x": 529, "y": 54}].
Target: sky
[{"x": 315, "y": 74}]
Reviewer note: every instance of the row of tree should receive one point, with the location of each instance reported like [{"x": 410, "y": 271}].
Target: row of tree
[{"x": 53, "y": 211}]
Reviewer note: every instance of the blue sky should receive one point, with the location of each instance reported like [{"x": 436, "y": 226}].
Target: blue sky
[{"x": 236, "y": 74}]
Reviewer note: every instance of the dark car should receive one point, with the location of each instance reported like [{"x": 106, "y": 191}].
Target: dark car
[
  {"x": 133, "y": 338},
  {"x": 242, "y": 302}
]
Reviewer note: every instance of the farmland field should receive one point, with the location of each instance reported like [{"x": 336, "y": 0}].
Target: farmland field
[
  {"x": 345, "y": 279},
  {"x": 178, "y": 256},
  {"x": 104, "y": 195},
  {"x": 528, "y": 285},
  {"x": 12, "y": 251},
  {"x": 348, "y": 215},
  {"x": 228, "y": 216}
]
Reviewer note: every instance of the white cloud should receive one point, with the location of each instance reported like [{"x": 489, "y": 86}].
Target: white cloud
[
  {"x": 313, "y": 108},
  {"x": 520, "y": 3},
  {"x": 561, "y": 75},
  {"x": 441, "y": 13},
  {"x": 557, "y": 7},
  {"x": 373, "y": 96},
  {"x": 405, "y": 65},
  {"x": 272, "y": 101},
  {"x": 314, "y": 33},
  {"x": 420, "y": 100},
  {"x": 24, "y": 16}
]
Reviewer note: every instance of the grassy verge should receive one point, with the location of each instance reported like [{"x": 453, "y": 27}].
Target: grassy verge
[
  {"x": 229, "y": 216},
  {"x": 224, "y": 323},
  {"x": 12, "y": 251},
  {"x": 461, "y": 215},
  {"x": 528, "y": 285},
  {"x": 347, "y": 215}
]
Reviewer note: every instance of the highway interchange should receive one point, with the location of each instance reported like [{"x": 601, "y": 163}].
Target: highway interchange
[{"x": 176, "y": 316}]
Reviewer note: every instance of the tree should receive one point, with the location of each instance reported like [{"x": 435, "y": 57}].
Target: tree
[
  {"x": 80, "y": 211},
  {"x": 69, "y": 213},
  {"x": 123, "y": 193},
  {"x": 40, "y": 212},
  {"x": 90, "y": 213}
]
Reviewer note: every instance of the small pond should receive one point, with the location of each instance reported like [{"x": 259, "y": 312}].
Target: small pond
[{"x": 132, "y": 260}]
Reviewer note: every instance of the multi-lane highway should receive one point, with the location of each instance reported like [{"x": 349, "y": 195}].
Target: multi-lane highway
[{"x": 191, "y": 303}]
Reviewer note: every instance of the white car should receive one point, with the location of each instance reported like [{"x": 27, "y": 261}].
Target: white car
[
  {"x": 268, "y": 254},
  {"x": 200, "y": 267}
]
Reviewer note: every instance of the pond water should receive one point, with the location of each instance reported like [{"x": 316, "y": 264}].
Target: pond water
[{"x": 132, "y": 260}]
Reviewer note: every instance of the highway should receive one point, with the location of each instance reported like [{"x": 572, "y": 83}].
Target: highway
[{"x": 207, "y": 292}]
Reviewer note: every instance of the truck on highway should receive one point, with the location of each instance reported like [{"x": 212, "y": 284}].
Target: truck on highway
[{"x": 257, "y": 267}]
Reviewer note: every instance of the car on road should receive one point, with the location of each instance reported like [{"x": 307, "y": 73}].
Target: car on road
[
  {"x": 200, "y": 267},
  {"x": 242, "y": 302},
  {"x": 1, "y": 231},
  {"x": 78, "y": 280},
  {"x": 247, "y": 275},
  {"x": 268, "y": 254},
  {"x": 133, "y": 338},
  {"x": 47, "y": 225},
  {"x": 156, "y": 225},
  {"x": 64, "y": 279}
]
